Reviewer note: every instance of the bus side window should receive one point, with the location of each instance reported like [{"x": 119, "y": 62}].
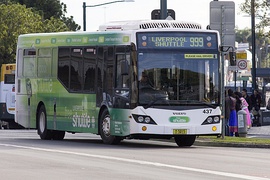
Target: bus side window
[
  {"x": 89, "y": 56},
  {"x": 63, "y": 66},
  {"x": 76, "y": 68}
]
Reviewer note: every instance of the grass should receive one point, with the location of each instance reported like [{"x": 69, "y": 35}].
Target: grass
[{"x": 235, "y": 140}]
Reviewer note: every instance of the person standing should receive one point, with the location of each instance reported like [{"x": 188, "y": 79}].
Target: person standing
[
  {"x": 227, "y": 113},
  {"x": 256, "y": 100},
  {"x": 247, "y": 98},
  {"x": 244, "y": 106},
  {"x": 233, "y": 123}
]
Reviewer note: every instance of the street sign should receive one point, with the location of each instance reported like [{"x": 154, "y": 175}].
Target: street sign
[
  {"x": 232, "y": 68},
  {"x": 241, "y": 55},
  {"x": 242, "y": 64},
  {"x": 222, "y": 18}
]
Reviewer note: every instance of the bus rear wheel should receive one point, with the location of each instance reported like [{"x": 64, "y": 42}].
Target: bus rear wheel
[
  {"x": 105, "y": 130},
  {"x": 187, "y": 140},
  {"x": 43, "y": 132}
]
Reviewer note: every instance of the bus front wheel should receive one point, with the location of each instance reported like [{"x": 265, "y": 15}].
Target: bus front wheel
[
  {"x": 185, "y": 140},
  {"x": 105, "y": 130},
  {"x": 43, "y": 132}
]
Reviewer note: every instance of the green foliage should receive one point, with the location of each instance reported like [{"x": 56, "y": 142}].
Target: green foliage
[
  {"x": 261, "y": 12},
  {"x": 48, "y": 9},
  {"x": 16, "y": 19},
  {"x": 54, "y": 25},
  {"x": 243, "y": 35}
]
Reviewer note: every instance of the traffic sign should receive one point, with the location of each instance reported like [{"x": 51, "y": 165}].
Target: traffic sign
[
  {"x": 232, "y": 68},
  {"x": 222, "y": 18},
  {"x": 242, "y": 64},
  {"x": 241, "y": 55}
]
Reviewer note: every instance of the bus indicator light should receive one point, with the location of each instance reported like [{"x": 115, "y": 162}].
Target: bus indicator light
[
  {"x": 144, "y": 128},
  {"x": 214, "y": 128}
]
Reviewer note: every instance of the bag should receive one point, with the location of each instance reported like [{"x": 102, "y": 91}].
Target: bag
[{"x": 254, "y": 112}]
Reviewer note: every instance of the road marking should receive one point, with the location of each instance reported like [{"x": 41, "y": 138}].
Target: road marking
[{"x": 219, "y": 173}]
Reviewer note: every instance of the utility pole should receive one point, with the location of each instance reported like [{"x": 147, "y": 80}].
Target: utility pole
[
  {"x": 163, "y": 9},
  {"x": 253, "y": 38}
]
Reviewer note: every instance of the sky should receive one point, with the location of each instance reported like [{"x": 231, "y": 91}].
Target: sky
[{"x": 189, "y": 10}]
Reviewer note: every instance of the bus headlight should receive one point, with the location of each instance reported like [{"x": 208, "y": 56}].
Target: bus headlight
[
  {"x": 143, "y": 119},
  {"x": 140, "y": 119},
  {"x": 216, "y": 119},
  {"x": 211, "y": 120},
  {"x": 147, "y": 120}
]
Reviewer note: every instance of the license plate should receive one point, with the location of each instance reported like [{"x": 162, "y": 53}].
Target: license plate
[{"x": 179, "y": 131}]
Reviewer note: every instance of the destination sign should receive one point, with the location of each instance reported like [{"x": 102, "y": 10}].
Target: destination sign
[{"x": 181, "y": 40}]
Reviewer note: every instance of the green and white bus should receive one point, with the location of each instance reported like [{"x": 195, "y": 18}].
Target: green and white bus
[{"x": 89, "y": 82}]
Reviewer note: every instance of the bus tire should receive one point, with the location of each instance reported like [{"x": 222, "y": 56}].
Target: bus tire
[
  {"x": 58, "y": 135},
  {"x": 187, "y": 140},
  {"x": 104, "y": 125},
  {"x": 43, "y": 132}
]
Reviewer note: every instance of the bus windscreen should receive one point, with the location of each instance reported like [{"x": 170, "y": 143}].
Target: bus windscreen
[{"x": 9, "y": 79}]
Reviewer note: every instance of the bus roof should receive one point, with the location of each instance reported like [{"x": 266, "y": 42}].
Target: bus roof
[
  {"x": 73, "y": 39},
  {"x": 148, "y": 24},
  {"x": 112, "y": 33}
]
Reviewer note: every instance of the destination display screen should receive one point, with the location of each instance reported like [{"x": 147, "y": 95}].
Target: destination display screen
[{"x": 179, "y": 40}]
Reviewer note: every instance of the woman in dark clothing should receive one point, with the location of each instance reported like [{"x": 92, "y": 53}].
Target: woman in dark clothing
[
  {"x": 256, "y": 100},
  {"x": 233, "y": 123}
]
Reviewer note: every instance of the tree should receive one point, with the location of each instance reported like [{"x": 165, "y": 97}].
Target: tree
[
  {"x": 261, "y": 10},
  {"x": 50, "y": 8},
  {"x": 16, "y": 19}
]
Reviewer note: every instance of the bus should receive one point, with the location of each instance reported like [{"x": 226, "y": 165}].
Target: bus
[
  {"x": 89, "y": 82},
  {"x": 7, "y": 95}
]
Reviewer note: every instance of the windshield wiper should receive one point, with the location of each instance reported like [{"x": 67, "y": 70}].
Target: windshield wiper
[
  {"x": 200, "y": 102},
  {"x": 154, "y": 101}
]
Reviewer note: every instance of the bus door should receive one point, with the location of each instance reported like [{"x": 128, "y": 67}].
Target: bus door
[{"x": 122, "y": 77}]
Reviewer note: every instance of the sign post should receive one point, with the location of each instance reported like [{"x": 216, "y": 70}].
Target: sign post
[{"x": 222, "y": 18}]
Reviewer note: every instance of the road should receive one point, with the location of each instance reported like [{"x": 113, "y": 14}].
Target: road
[{"x": 84, "y": 156}]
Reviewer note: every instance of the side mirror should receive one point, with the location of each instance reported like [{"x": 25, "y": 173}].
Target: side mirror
[
  {"x": 232, "y": 56},
  {"x": 124, "y": 67}
]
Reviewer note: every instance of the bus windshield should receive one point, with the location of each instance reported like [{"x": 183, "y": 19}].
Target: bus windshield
[{"x": 176, "y": 76}]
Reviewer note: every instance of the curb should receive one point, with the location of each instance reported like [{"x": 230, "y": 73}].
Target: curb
[{"x": 229, "y": 144}]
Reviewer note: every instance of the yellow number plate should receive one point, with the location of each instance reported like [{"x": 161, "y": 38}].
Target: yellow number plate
[{"x": 179, "y": 131}]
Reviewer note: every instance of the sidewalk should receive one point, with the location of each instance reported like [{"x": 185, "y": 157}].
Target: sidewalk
[{"x": 262, "y": 131}]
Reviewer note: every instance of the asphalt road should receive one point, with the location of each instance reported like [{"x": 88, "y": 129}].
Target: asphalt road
[{"x": 84, "y": 156}]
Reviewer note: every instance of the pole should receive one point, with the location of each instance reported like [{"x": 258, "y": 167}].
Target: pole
[
  {"x": 84, "y": 16},
  {"x": 163, "y": 9},
  {"x": 253, "y": 45}
]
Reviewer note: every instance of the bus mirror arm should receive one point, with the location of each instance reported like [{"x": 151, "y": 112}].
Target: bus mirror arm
[{"x": 225, "y": 48}]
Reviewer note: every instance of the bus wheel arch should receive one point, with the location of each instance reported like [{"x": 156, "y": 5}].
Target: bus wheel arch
[
  {"x": 41, "y": 119},
  {"x": 186, "y": 140},
  {"x": 104, "y": 128}
]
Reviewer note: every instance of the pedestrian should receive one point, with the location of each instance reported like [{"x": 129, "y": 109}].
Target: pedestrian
[
  {"x": 244, "y": 106},
  {"x": 227, "y": 113},
  {"x": 268, "y": 104},
  {"x": 256, "y": 100},
  {"x": 247, "y": 98},
  {"x": 233, "y": 123}
]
